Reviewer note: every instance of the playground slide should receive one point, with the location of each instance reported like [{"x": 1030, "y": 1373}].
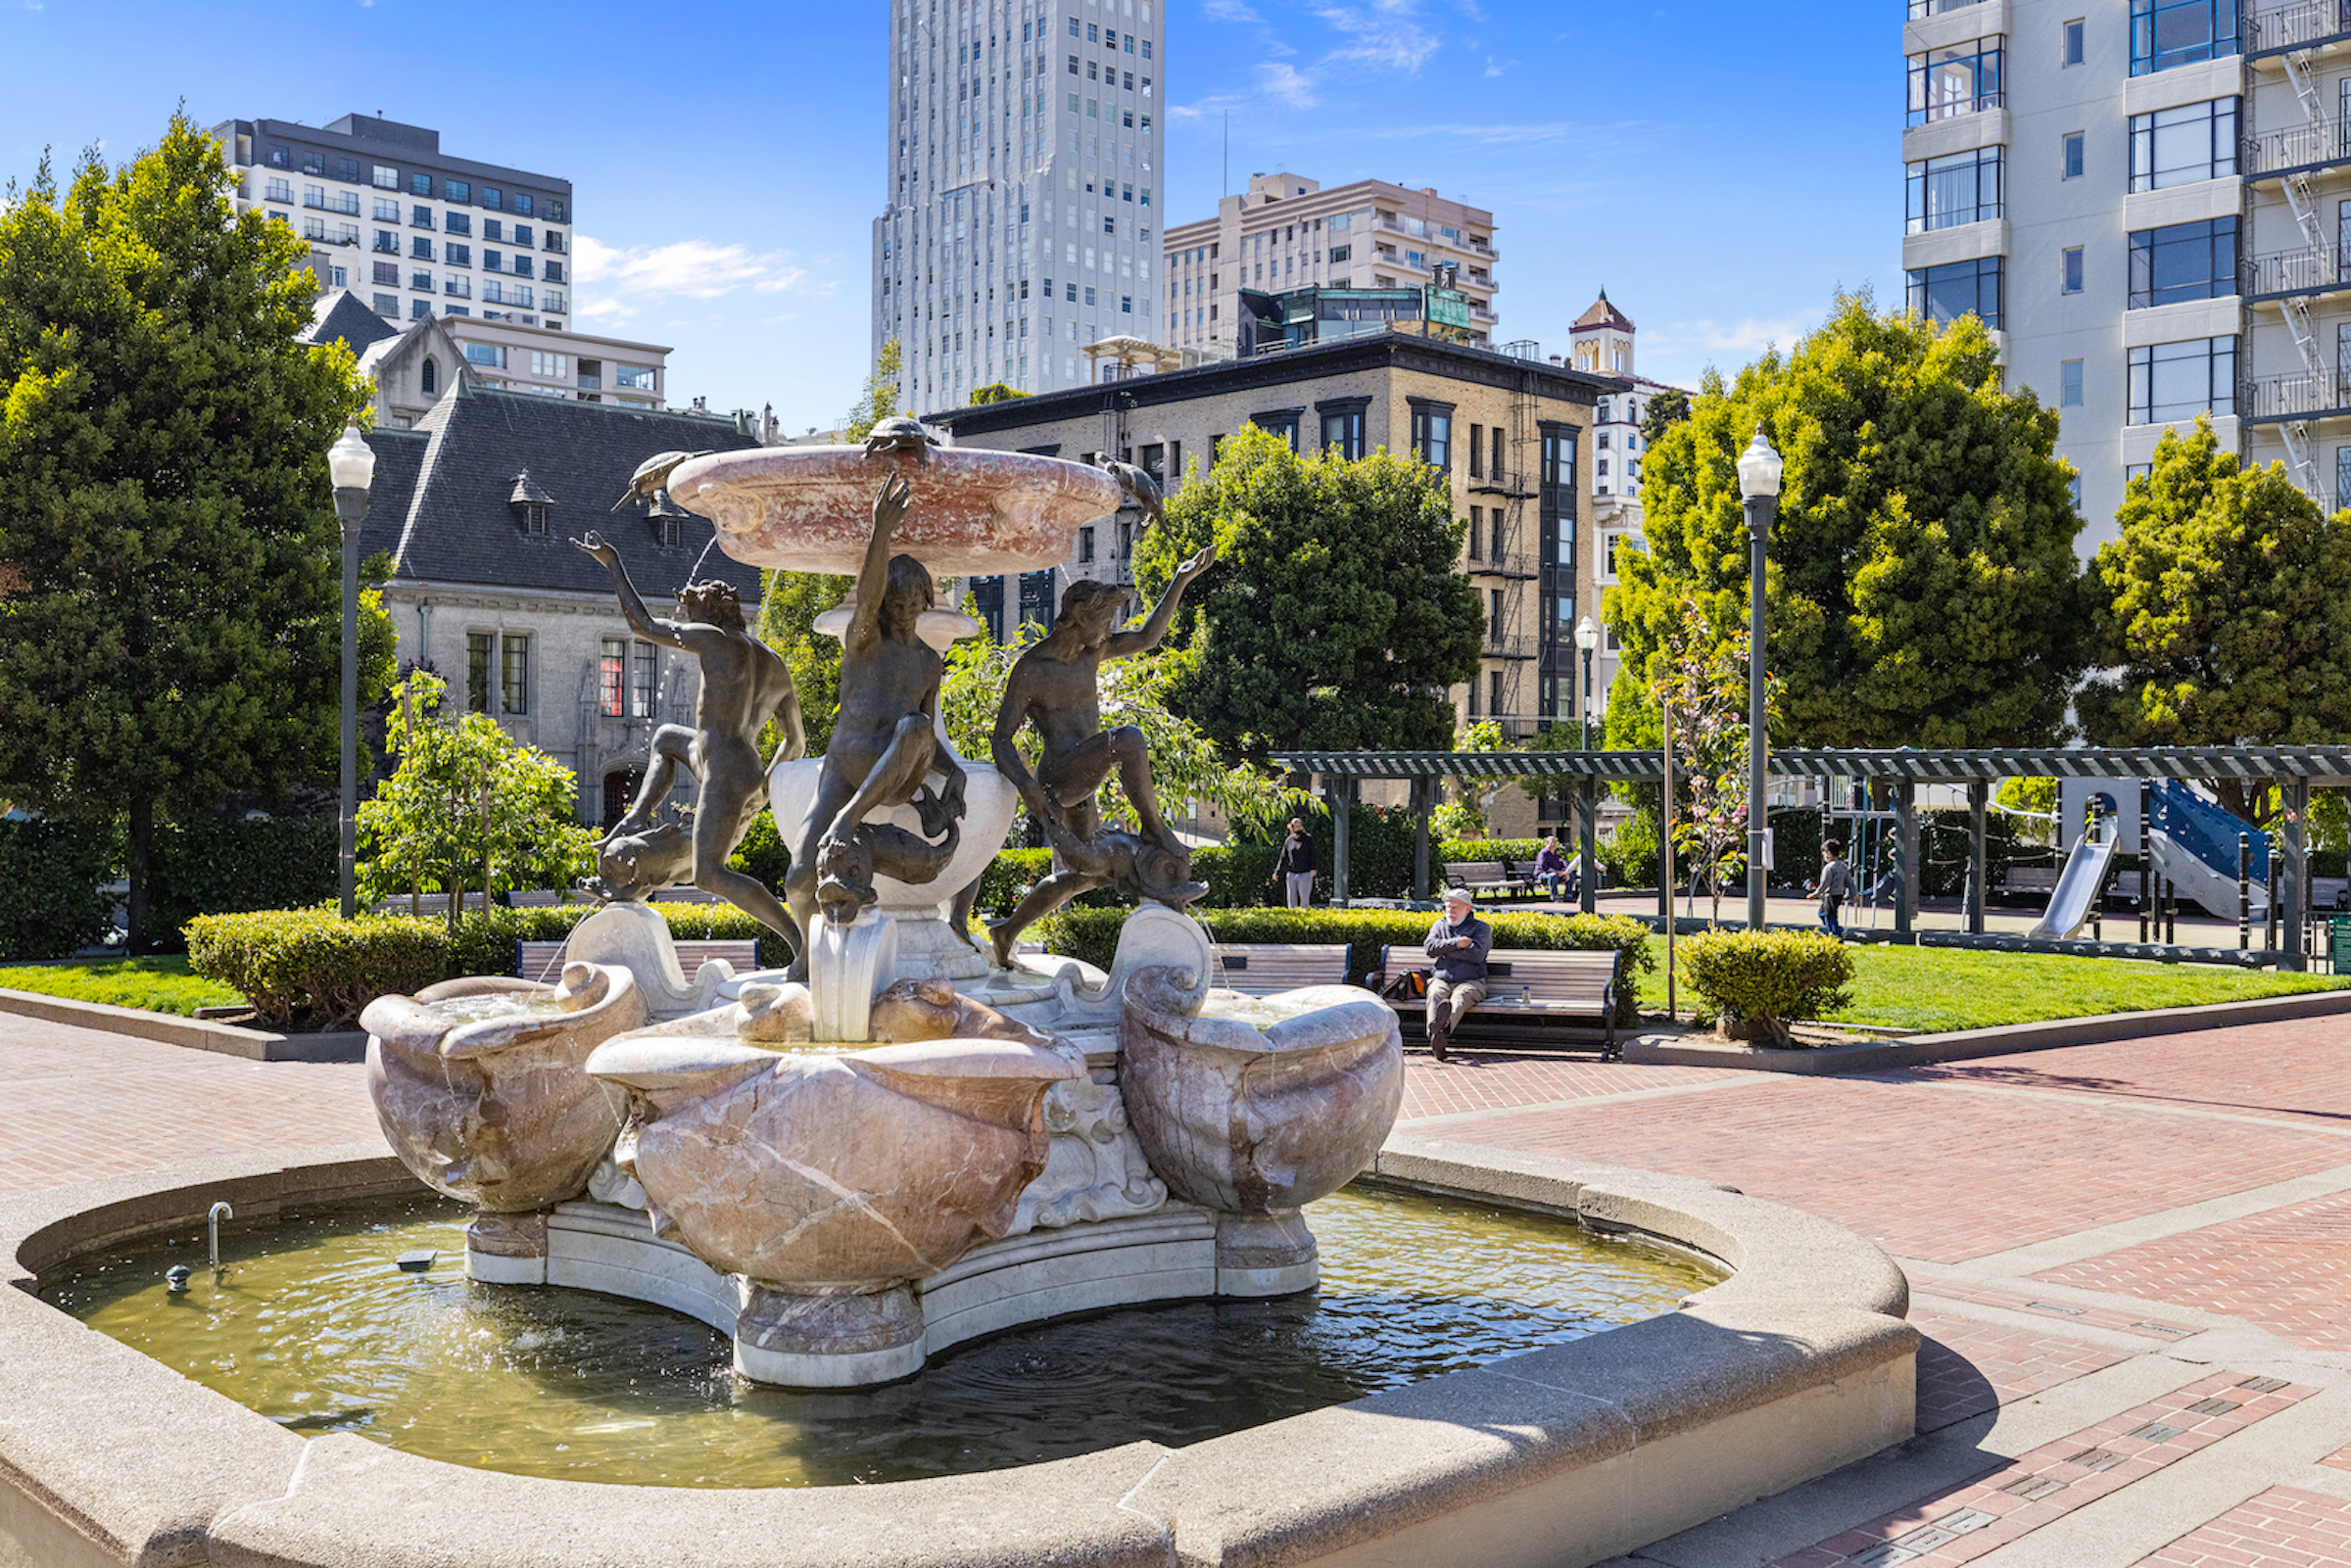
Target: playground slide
[
  {"x": 2078, "y": 886},
  {"x": 2195, "y": 846}
]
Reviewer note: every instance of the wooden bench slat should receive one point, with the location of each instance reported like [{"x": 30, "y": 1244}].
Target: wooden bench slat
[
  {"x": 1260, "y": 968},
  {"x": 544, "y": 961},
  {"x": 1524, "y": 983}
]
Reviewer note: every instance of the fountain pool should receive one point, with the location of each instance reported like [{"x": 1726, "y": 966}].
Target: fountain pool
[{"x": 314, "y": 1326}]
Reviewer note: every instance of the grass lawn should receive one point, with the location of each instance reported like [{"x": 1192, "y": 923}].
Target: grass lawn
[
  {"x": 1940, "y": 989},
  {"x": 156, "y": 984}
]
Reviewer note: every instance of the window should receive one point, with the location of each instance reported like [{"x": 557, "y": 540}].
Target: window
[
  {"x": 491, "y": 198},
  {"x": 1960, "y": 80},
  {"x": 459, "y": 223},
  {"x": 2342, "y": 477},
  {"x": 385, "y": 179},
  {"x": 421, "y": 280},
  {"x": 1947, "y": 293},
  {"x": 2069, "y": 384},
  {"x": 611, "y": 678},
  {"x": 2072, "y": 43},
  {"x": 428, "y": 376},
  {"x": 1432, "y": 435},
  {"x": 522, "y": 205},
  {"x": 648, "y": 669},
  {"x": 2184, "y": 261},
  {"x": 1558, "y": 460},
  {"x": 2181, "y": 32},
  {"x": 2073, "y": 141},
  {"x": 2072, "y": 274},
  {"x": 1086, "y": 545},
  {"x": 491, "y": 355},
  {"x": 1963, "y": 188},
  {"x": 421, "y": 218},
  {"x": 314, "y": 163},
  {"x": 2181, "y": 146},
  {"x": 279, "y": 190},
  {"x": 2175, "y": 381},
  {"x": 456, "y": 190},
  {"x": 634, "y": 377},
  {"x": 420, "y": 184},
  {"x": 313, "y": 196},
  {"x": 1477, "y": 524},
  {"x": 549, "y": 365},
  {"x": 514, "y": 674},
  {"x": 386, "y": 212},
  {"x": 492, "y": 230},
  {"x": 420, "y": 249},
  {"x": 457, "y": 255},
  {"x": 387, "y": 306},
  {"x": 477, "y": 671},
  {"x": 1343, "y": 430}
]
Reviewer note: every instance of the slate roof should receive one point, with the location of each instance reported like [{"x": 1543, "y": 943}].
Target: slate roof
[
  {"x": 441, "y": 498},
  {"x": 341, "y": 315},
  {"x": 1601, "y": 313}
]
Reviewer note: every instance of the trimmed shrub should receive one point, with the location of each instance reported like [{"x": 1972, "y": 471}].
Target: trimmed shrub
[
  {"x": 228, "y": 865},
  {"x": 1521, "y": 850},
  {"x": 53, "y": 870},
  {"x": 1754, "y": 982},
  {"x": 310, "y": 969},
  {"x": 1241, "y": 876},
  {"x": 1092, "y": 935}
]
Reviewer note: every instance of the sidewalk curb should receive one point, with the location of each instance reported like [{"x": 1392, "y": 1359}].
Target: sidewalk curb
[
  {"x": 170, "y": 1028},
  {"x": 1926, "y": 1050}
]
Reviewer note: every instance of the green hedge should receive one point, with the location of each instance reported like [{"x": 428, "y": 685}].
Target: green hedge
[
  {"x": 1092, "y": 935},
  {"x": 1756, "y": 981},
  {"x": 52, "y": 872},
  {"x": 227, "y": 865},
  {"x": 310, "y": 969}
]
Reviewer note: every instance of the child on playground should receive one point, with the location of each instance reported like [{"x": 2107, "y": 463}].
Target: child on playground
[{"x": 1836, "y": 882}]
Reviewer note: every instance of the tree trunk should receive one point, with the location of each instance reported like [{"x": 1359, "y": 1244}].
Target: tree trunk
[
  {"x": 2231, "y": 793},
  {"x": 141, "y": 838}
]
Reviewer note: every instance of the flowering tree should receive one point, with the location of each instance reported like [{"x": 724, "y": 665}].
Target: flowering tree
[{"x": 1704, "y": 685}]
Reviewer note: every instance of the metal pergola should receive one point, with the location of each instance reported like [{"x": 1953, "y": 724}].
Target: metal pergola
[{"x": 2295, "y": 770}]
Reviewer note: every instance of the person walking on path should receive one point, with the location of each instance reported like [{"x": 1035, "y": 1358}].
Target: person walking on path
[
  {"x": 1550, "y": 869},
  {"x": 1457, "y": 946},
  {"x": 1836, "y": 884},
  {"x": 1297, "y": 866}
]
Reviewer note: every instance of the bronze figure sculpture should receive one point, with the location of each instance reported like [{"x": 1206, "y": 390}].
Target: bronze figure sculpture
[
  {"x": 744, "y": 684},
  {"x": 884, "y": 744},
  {"x": 653, "y": 474},
  {"x": 1056, "y": 685}
]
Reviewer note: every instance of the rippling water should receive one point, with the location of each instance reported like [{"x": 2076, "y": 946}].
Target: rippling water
[{"x": 314, "y": 1326}]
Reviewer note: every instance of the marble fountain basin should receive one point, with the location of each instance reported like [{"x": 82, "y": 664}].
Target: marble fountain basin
[
  {"x": 972, "y": 512},
  {"x": 478, "y": 1084}
]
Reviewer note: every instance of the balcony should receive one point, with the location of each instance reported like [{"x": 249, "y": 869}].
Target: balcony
[
  {"x": 1508, "y": 648},
  {"x": 2326, "y": 396},
  {"x": 2302, "y": 24},
  {"x": 1920, "y": 10},
  {"x": 591, "y": 382},
  {"x": 2296, "y": 149},
  {"x": 2307, "y": 271},
  {"x": 1511, "y": 563}
]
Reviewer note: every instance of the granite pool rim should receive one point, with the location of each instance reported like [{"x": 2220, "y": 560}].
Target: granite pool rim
[{"x": 1799, "y": 1361}]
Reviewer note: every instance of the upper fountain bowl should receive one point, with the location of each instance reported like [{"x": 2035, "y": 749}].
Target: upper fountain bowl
[{"x": 973, "y": 513}]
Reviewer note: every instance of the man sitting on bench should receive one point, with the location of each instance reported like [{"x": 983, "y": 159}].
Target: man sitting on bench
[{"x": 1457, "y": 947}]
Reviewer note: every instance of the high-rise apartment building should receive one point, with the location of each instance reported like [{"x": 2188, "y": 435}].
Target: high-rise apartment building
[
  {"x": 410, "y": 230},
  {"x": 1287, "y": 232},
  {"x": 2150, "y": 201},
  {"x": 1024, "y": 189}
]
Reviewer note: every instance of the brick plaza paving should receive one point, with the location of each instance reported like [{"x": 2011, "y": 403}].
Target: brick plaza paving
[{"x": 2132, "y": 1262}]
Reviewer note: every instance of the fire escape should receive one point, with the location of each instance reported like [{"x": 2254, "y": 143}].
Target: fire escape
[{"x": 1505, "y": 564}]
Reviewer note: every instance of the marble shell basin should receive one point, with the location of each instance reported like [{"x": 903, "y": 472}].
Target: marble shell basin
[
  {"x": 810, "y": 508},
  {"x": 825, "y": 1171},
  {"x": 478, "y": 1086},
  {"x": 1265, "y": 1111}
]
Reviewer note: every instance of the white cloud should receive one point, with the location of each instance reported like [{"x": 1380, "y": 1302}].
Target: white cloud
[
  {"x": 1289, "y": 84},
  {"x": 1384, "y": 36},
  {"x": 1231, "y": 11},
  {"x": 1494, "y": 68},
  {"x": 1748, "y": 336},
  {"x": 617, "y": 281}
]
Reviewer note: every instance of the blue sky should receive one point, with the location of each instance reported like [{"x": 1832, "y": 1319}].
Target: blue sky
[{"x": 1721, "y": 169}]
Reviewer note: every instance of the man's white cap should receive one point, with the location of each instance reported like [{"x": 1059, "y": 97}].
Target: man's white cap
[{"x": 1457, "y": 895}]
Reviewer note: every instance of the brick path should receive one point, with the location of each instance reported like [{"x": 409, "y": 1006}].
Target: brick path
[{"x": 1949, "y": 1168}]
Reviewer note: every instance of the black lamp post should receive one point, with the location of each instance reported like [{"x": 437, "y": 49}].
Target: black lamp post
[
  {"x": 1759, "y": 488},
  {"x": 1587, "y": 638},
  {"x": 350, "y": 466}
]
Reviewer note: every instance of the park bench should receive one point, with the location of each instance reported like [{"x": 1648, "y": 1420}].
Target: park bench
[
  {"x": 535, "y": 898},
  {"x": 1529, "y": 993},
  {"x": 1487, "y": 877},
  {"x": 544, "y": 961},
  {"x": 1263, "y": 967},
  {"x": 427, "y": 904},
  {"x": 2036, "y": 880}
]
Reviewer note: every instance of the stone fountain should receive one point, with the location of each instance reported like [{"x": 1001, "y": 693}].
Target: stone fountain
[{"x": 906, "y": 1138}]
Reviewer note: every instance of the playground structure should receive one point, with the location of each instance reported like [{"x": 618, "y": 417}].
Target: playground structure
[{"x": 1897, "y": 777}]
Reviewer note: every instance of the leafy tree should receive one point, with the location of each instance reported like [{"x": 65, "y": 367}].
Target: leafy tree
[
  {"x": 1333, "y": 617},
  {"x": 467, "y": 807},
  {"x": 879, "y": 400},
  {"x": 996, "y": 392},
  {"x": 2221, "y": 612},
  {"x": 1922, "y": 585},
  {"x": 1704, "y": 685},
  {"x": 1665, "y": 409},
  {"x": 170, "y": 633},
  {"x": 789, "y": 603}
]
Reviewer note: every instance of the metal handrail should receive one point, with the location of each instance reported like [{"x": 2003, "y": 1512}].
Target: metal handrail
[
  {"x": 1511, "y": 563},
  {"x": 1510, "y": 647},
  {"x": 2280, "y": 396},
  {"x": 2309, "y": 271},
  {"x": 1934, "y": 8},
  {"x": 2302, "y": 22},
  {"x": 2300, "y": 146}
]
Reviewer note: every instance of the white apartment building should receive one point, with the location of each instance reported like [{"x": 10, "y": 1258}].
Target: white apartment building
[
  {"x": 2151, "y": 201},
  {"x": 410, "y": 230},
  {"x": 1601, "y": 343},
  {"x": 1287, "y": 232},
  {"x": 1024, "y": 186}
]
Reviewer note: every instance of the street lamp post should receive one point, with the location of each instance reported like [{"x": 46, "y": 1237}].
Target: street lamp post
[
  {"x": 1759, "y": 488},
  {"x": 1587, "y": 638},
  {"x": 351, "y": 466}
]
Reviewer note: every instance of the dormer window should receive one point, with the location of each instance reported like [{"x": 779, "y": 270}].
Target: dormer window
[
  {"x": 668, "y": 520},
  {"x": 531, "y": 504}
]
